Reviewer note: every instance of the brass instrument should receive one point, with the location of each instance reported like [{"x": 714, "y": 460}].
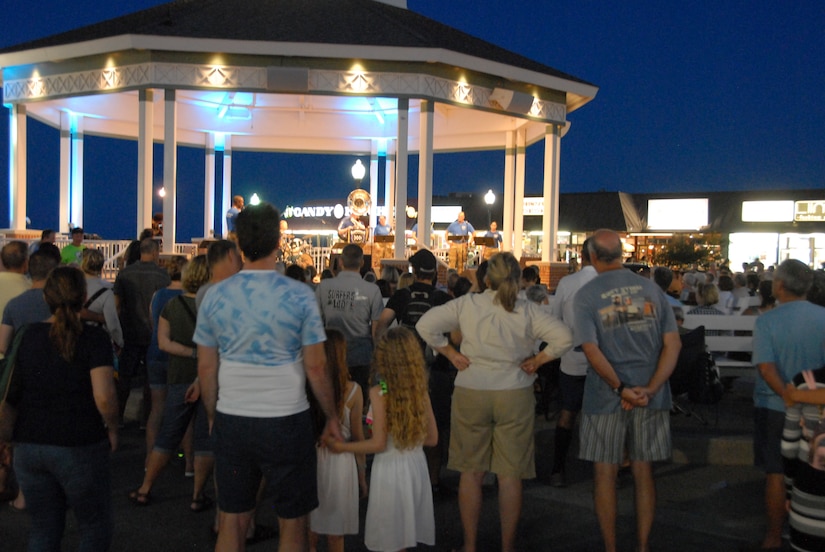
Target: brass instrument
[{"x": 359, "y": 202}]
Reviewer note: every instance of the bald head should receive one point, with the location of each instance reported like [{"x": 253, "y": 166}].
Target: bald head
[{"x": 606, "y": 250}]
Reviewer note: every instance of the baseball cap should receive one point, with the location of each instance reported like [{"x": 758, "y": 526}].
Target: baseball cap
[{"x": 423, "y": 261}]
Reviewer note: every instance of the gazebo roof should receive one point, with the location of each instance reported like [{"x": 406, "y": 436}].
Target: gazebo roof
[
  {"x": 330, "y": 22},
  {"x": 287, "y": 66}
]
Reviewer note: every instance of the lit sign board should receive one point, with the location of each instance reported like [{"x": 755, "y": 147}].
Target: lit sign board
[
  {"x": 767, "y": 211},
  {"x": 809, "y": 211},
  {"x": 533, "y": 206},
  {"x": 316, "y": 211},
  {"x": 677, "y": 214},
  {"x": 444, "y": 213}
]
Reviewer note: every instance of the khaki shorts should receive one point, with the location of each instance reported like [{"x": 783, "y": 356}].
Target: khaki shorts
[{"x": 493, "y": 431}]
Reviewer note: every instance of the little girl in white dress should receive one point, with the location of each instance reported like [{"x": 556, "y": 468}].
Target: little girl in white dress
[
  {"x": 400, "y": 509},
  {"x": 340, "y": 475}
]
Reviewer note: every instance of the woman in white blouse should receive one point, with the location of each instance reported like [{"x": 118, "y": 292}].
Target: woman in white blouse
[{"x": 493, "y": 408}]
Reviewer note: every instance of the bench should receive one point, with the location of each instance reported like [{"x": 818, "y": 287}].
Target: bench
[{"x": 737, "y": 337}]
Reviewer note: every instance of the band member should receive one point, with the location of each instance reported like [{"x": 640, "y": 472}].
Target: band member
[
  {"x": 458, "y": 248},
  {"x": 348, "y": 224},
  {"x": 493, "y": 232},
  {"x": 382, "y": 228}
]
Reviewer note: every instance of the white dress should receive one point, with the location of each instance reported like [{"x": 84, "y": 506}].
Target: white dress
[
  {"x": 337, "y": 512},
  {"x": 400, "y": 510}
]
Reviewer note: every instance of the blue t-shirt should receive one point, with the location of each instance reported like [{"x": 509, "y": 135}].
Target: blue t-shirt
[
  {"x": 259, "y": 317},
  {"x": 792, "y": 336},
  {"x": 159, "y": 300},
  {"x": 231, "y": 217},
  {"x": 626, "y": 316},
  {"x": 460, "y": 228},
  {"x": 496, "y": 237}
]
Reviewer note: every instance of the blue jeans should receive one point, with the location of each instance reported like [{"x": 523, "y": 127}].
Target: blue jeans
[{"x": 54, "y": 479}]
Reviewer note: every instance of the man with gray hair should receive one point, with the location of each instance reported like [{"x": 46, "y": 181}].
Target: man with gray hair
[
  {"x": 786, "y": 340},
  {"x": 627, "y": 331}
]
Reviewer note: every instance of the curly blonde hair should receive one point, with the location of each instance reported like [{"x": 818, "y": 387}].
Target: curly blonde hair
[{"x": 399, "y": 362}]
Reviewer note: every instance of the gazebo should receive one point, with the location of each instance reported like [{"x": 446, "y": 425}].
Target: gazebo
[{"x": 367, "y": 77}]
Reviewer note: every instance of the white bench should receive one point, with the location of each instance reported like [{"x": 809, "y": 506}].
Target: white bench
[{"x": 728, "y": 342}]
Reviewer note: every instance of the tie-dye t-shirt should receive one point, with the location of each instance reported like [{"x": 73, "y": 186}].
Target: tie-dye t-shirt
[{"x": 260, "y": 321}]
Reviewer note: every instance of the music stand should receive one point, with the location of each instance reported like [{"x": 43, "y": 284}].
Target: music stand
[
  {"x": 452, "y": 238},
  {"x": 383, "y": 239},
  {"x": 486, "y": 242}
]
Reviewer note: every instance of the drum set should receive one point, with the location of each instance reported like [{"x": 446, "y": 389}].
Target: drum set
[{"x": 296, "y": 251}]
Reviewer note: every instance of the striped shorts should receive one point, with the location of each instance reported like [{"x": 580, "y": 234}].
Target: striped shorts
[{"x": 642, "y": 433}]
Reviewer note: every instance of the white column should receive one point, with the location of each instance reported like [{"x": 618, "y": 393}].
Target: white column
[
  {"x": 209, "y": 188},
  {"x": 373, "y": 181},
  {"x": 401, "y": 171},
  {"x": 425, "y": 171},
  {"x": 170, "y": 170},
  {"x": 227, "y": 181},
  {"x": 17, "y": 167},
  {"x": 518, "y": 210},
  {"x": 509, "y": 199},
  {"x": 146, "y": 160},
  {"x": 65, "y": 170},
  {"x": 550, "y": 220},
  {"x": 389, "y": 191},
  {"x": 76, "y": 185}
]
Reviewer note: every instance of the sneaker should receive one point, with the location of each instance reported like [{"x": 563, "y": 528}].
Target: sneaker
[{"x": 558, "y": 480}]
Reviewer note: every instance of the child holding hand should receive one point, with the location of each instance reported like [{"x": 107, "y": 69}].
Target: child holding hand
[
  {"x": 340, "y": 475},
  {"x": 400, "y": 508}
]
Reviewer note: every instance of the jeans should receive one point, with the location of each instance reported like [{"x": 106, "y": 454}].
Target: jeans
[{"x": 54, "y": 479}]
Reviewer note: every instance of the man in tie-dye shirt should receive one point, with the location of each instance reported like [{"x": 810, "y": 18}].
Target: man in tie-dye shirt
[{"x": 260, "y": 339}]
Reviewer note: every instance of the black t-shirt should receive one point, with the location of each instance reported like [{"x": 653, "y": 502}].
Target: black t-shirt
[
  {"x": 401, "y": 298},
  {"x": 54, "y": 400}
]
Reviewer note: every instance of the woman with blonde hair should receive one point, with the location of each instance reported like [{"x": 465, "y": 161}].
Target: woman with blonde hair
[{"x": 493, "y": 410}]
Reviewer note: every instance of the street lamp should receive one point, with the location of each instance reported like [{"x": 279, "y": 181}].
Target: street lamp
[
  {"x": 358, "y": 172},
  {"x": 489, "y": 199}
]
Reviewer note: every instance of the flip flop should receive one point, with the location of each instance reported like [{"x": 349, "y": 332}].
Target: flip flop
[
  {"x": 140, "y": 499},
  {"x": 201, "y": 504}
]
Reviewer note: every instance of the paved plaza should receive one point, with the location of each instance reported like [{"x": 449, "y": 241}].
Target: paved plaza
[{"x": 703, "y": 506}]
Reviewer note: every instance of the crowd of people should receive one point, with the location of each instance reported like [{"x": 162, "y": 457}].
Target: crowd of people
[{"x": 317, "y": 394}]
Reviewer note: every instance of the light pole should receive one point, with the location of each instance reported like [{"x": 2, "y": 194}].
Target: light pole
[
  {"x": 489, "y": 199},
  {"x": 358, "y": 172}
]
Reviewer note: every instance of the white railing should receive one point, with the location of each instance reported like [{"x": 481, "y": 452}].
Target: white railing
[{"x": 113, "y": 250}]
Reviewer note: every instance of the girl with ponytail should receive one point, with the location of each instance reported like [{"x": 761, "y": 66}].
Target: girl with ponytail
[{"x": 493, "y": 408}]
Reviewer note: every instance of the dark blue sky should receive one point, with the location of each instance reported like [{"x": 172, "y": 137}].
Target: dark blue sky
[{"x": 694, "y": 96}]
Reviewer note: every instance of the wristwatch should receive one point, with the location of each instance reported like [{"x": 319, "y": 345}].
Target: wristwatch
[{"x": 619, "y": 389}]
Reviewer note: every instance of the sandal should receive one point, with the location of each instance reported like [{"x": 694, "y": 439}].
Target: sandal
[
  {"x": 201, "y": 504},
  {"x": 140, "y": 499}
]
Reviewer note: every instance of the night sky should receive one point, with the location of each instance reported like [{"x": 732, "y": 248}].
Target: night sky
[{"x": 694, "y": 96}]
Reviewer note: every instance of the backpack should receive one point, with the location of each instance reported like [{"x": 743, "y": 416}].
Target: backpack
[{"x": 420, "y": 302}]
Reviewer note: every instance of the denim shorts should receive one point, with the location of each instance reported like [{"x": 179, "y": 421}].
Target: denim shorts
[
  {"x": 156, "y": 374},
  {"x": 177, "y": 414},
  {"x": 767, "y": 439},
  {"x": 280, "y": 449}
]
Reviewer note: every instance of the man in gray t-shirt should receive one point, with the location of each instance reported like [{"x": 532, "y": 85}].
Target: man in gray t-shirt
[
  {"x": 628, "y": 333},
  {"x": 352, "y": 305}
]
